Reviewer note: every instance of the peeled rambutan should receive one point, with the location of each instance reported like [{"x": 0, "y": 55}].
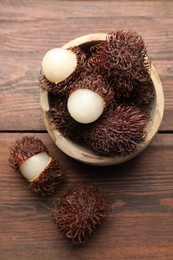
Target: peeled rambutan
[
  {"x": 63, "y": 87},
  {"x": 118, "y": 133},
  {"x": 79, "y": 211},
  {"x": 30, "y": 157}
]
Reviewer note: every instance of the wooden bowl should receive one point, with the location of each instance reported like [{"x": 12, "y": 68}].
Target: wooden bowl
[{"x": 82, "y": 153}]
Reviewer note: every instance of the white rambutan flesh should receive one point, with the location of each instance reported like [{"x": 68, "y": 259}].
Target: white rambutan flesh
[
  {"x": 85, "y": 106},
  {"x": 32, "y": 167},
  {"x": 58, "y": 64}
]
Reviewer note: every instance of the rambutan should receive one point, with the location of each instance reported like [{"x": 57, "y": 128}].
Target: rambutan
[
  {"x": 118, "y": 133},
  {"x": 122, "y": 60},
  {"x": 79, "y": 211},
  {"x": 63, "y": 87},
  {"x": 31, "y": 157}
]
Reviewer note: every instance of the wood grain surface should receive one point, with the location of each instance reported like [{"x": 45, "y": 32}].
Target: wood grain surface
[{"x": 140, "y": 225}]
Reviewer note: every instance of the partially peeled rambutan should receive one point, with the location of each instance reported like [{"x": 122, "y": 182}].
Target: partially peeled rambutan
[
  {"x": 119, "y": 133},
  {"x": 79, "y": 211},
  {"x": 30, "y": 157},
  {"x": 97, "y": 84},
  {"x": 59, "y": 117},
  {"x": 63, "y": 87}
]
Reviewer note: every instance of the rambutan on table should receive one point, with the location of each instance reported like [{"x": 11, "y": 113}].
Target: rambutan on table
[{"x": 140, "y": 225}]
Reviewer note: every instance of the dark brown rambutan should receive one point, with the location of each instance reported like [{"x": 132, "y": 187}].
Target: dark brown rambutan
[
  {"x": 79, "y": 211},
  {"x": 122, "y": 60},
  {"x": 118, "y": 133},
  {"x": 30, "y": 157},
  {"x": 63, "y": 87}
]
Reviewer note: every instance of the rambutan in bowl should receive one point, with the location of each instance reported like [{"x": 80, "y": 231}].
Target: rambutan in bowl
[{"x": 79, "y": 151}]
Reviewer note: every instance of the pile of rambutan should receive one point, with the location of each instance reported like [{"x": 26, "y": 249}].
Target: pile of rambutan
[
  {"x": 99, "y": 95},
  {"x": 111, "y": 117}
]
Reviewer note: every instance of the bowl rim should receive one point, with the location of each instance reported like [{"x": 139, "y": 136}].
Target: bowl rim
[{"x": 80, "y": 152}]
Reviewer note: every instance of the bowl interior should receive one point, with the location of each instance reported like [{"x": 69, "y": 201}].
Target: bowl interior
[{"x": 82, "y": 153}]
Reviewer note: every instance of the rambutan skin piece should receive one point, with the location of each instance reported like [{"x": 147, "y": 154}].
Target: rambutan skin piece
[
  {"x": 119, "y": 133},
  {"x": 47, "y": 182},
  {"x": 79, "y": 211}
]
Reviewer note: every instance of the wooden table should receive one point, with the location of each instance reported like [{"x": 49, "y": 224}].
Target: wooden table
[{"x": 141, "y": 191}]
